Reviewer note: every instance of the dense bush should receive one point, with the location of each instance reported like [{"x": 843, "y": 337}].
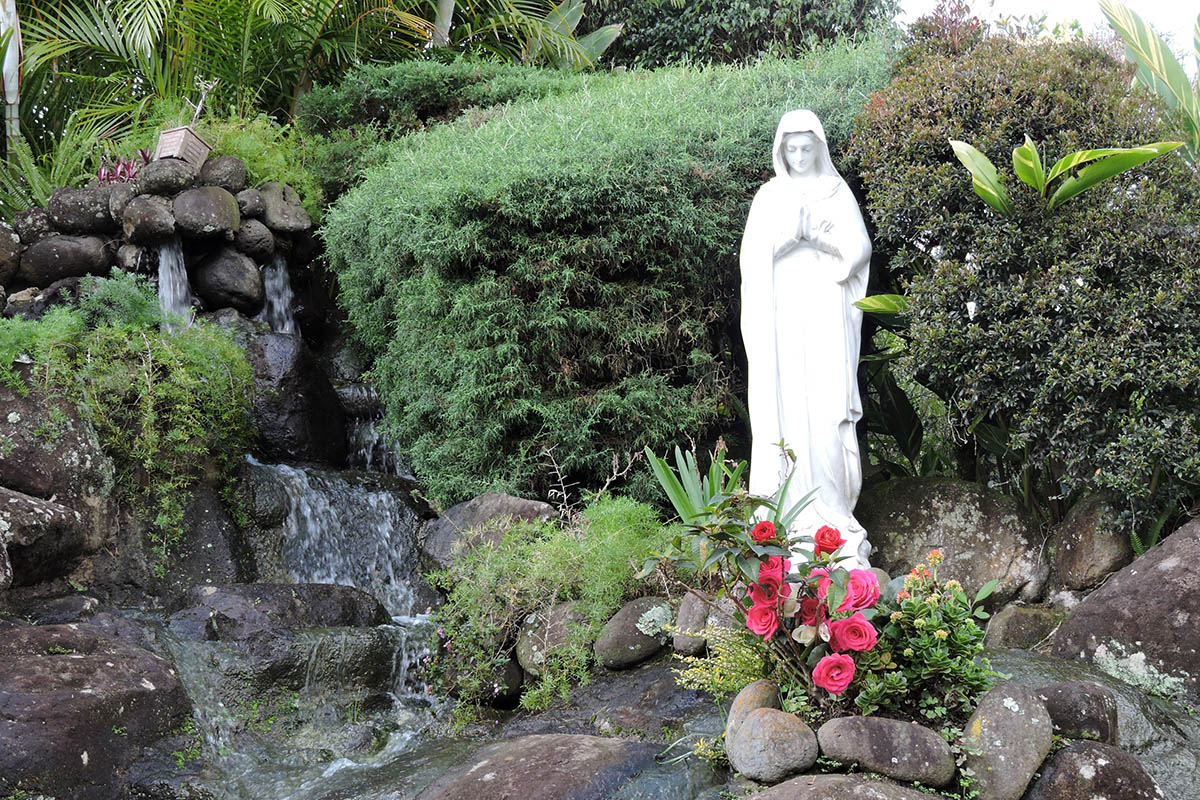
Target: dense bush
[
  {"x": 659, "y": 32},
  {"x": 166, "y": 407},
  {"x": 1066, "y": 343},
  {"x": 536, "y": 565},
  {"x": 564, "y": 277}
]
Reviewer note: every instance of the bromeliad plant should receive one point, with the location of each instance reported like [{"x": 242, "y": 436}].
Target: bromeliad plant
[{"x": 813, "y": 615}]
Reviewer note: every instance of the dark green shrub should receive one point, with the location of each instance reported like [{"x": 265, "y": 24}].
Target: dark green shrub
[
  {"x": 166, "y": 407},
  {"x": 659, "y": 32},
  {"x": 564, "y": 277},
  {"x": 1075, "y": 366},
  {"x": 536, "y": 565}
]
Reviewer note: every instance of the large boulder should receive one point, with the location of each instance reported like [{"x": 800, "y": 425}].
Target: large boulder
[
  {"x": 206, "y": 212},
  {"x": 904, "y": 751},
  {"x": 281, "y": 209},
  {"x": 78, "y": 707},
  {"x": 43, "y": 538},
  {"x": 840, "y": 787},
  {"x": 56, "y": 257},
  {"x": 762, "y": 693},
  {"x": 544, "y": 630},
  {"x": 983, "y": 534},
  {"x": 228, "y": 279},
  {"x": 770, "y": 745},
  {"x": 545, "y": 767},
  {"x": 228, "y": 172},
  {"x": 691, "y": 619},
  {"x": 81, "y": 210},
  {"x": 166, "y": 176},
  {"x": 147, "y": 219},
  {"x": 32, "y": 225},
  {"x": 250, "y": 611},
  {"x": 483, "y": 519},
  {"x": 1021, "y": 626},
  {"x": 255, "y": 240},
  {"x": 212, "y": 550},
  {"x": 1082, "y": 710},
  {"x": 1007, "y": 739},
  {"x": 1091, "y": 770},
  {"x": 1091, "y": 545},
  {"x": 1143, "y": 620},
  {"x": 624, "y": 642},
  {"x": 10, "y": 254},
  {"x": 119, "y": 195}
]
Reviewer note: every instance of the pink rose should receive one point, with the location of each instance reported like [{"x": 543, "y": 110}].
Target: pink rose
[
  {"x": 834, "y": 673},
  {"x": 823, "y": 581},
  {"x": 853, "y": 633},
  {"x": 812, "y": 611},
  {"x": 768, "y": 592},
  {"x": 763, "y": 531},
  {"x": 763, "y": 621},
  {"x": 827, "y": 540},
  {"x": 862, "y": 591}
]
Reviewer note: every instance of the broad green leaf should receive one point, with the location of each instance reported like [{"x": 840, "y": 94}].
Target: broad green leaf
[
  {"x": 991, "y": 438},
  {"x": 1027, "y": 164},
  {"x": 883, "y": 304},
  {"x": 985, "y": 591},
  {"x": 716, "y": 556},
  {"x": 984, "y": 179},
  {"x": 565, "y": 16},
  {"x": 679, "y": 498},
  {"x": 1072, "y": 160},
  {"x": 749, "y": 568},
  {"x": 895, "y": 412},
  {"x": 1114, "y": 164},
  {"x": 595, "y": 43}
]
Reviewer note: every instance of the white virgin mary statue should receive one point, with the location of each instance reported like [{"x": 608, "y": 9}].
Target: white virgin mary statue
[{"x": 804, "y": 262}]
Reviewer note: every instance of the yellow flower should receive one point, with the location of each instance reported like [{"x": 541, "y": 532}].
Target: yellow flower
[
  {"x": 919, "y": 623},
  {"x": 896, "y": 616},
  {"x": 940, "y": 634},
  {"x": 908, "y": 652}
]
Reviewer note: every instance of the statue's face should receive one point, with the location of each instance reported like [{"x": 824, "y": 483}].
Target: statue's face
[{"x": 800, "y": 153}]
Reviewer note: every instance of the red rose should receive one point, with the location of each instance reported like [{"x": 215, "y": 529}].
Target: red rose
[
  {"x": 862, "y": 591},
  {"x": 834, "y": 673},
  {"x": 812, "y": 611},
  {"x": 763, "y": 531},
  {"x": 768, "y": 592},
  {"x": 827, "y": 540},
  {"x": 763, "y": 621},
  {"x": 823, "y": 580},
  {"x": 853, "y": 633}
]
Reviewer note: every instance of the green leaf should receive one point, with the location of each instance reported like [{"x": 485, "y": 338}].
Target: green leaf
[
  {"x": 678, "y": 496},
  {"x": 1116, "y": 162},
  {"x": 985, "y": 591},
  {"x": 595, "y": 43},
  {"x": 648, "y": 567},
  {"x": 1027, "y": 164},
  {"x": 749, "y": 568},
  {"x": 837, "y": 589},
  {"x": 896, "y": 412},
  {"x": 984, "y": 180},
  {"x": 883, "y": 304}
]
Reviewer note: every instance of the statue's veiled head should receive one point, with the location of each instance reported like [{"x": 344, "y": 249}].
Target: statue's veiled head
[{"x": 800, "y": 149}]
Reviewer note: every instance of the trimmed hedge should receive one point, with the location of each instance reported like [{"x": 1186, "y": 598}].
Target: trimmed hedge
[
  {"x": 1079, "y": 368},
  {"x": 563, "y": 278}
]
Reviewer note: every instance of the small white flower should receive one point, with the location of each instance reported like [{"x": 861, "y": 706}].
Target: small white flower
[
  {"x": 823, "y": 631},
  {"x": 805, "y": 634},
  {"x": 971, "y": 309}
]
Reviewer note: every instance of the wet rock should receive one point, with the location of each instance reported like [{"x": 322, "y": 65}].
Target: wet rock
[
  {"x": 281, "y": 209},
  {"x": 1164, "y": 738},
  {"x": 166, "y": 176},
  {"x": 32, "y": 303},
  {"x": 543, "y": 631},
  {"x": 839, "y": 787},
  {"x": 78, "y": 709},
  {"x": 760, "y": 694},
  {"x": 6, "y": 572},
  {"x": 469, "y": 524},
  {"x": 904, "y": 751},
  {"x": 57, "y": 257},
  {"x": 693, "y": 614},
  {"x": 119, "y": 195},
  {"x": 10, "y": 254},
  {"x": 33, "y": 225},
  {"x": 1090, "y": 770},
  {"x": 212, "y": 550},
  {"x": 621, "y": 643},
  {"x": 206, "y": 212},
  {"x": 248, "y": 611},
  {"x": 1006, "y": 739},
  {"x": 1091, "y": 544},
  {"x": 984, "y": 534},
  {"x": 770, "y": 745},
  {"x": 129, "y": 258},
  {"x": 250, "y": 203},
  {"x": 81, "y": 210},
  {"x": 228, "y": 172},
  {"x": 1082, "y": 710},
  {"x": 255, "y": 240},
  {"x": 57, "y": 610},
  {"x": 547, "y": 767},
  {"x": 147, "y": 219},
  {"x": 1143, "y": 620},
  {"x": 360, "y": 400},
  {"x": 1021, "y": 626},
  {"x": 43, "y": 538},
  {"x": 228, "y": 279}
]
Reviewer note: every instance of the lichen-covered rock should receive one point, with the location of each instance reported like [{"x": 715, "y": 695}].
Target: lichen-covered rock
[
  {"x": 544, "y": 767},
  {"x": 56, "y": 257},
  {"x": 623, "y": 642},
  {"x": 81, "y": 210},
  {"x": 250, "y": 203},
  {"x": 42, "y": 537},
  {"x": 166, "y": 176},
  {"x": 281, "y": 209},
  {"x": 1143, "y": 621},
  {"x": 129, "y": 258},
  {"x": 228, "y": 279},
  {"x": 255, "y": 240},
  {"x": 248, "y": 611},
  {"x": 10, "y": 254},
  {"x": 147, "y": 219},
  {"x": 840, "y": 787},
  {"x": 760, "y": 694},
  {"x": 542, "y": 631},
  {"x": 984, "y": 534},
  {"x": 770, "y": 745},
  {"x": 1082, "y": 710},
  {"x": 1021, "y": 626},
  {"x": 33, "y": 302},
  {"x": 692, "y": 616},
  {"x": 1094, "y": 771},
  {"x": 228, "y": 172},
  {"x": 1091, "y": 544},
  {"x": 206, "y": 212},
  {"x": 119, "y": 195},
  {"x": 32, "y": 225},
  {"x": 1006, "y": 739},
  {"x": 905, "y": 751},
  {"x": 78, "y": 709},
  {"x": 483, "y": 519}
]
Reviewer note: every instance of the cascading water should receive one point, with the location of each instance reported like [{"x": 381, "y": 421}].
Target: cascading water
[
  {"x": 174, "y": 295},
  {"x": 373, "y": 450},
  {"x": 278, "y": 288}
]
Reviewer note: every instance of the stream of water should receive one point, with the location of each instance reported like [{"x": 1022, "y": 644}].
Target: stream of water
[
  {"x": 174, "y": 295},
  {"x": 277, "y": 311}
]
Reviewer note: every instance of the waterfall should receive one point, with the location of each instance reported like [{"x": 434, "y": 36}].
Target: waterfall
[
  {"x": 174, "y": 296},
  {"x": 373, "y": 450},
  {"x": 278, "y": 287}
]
